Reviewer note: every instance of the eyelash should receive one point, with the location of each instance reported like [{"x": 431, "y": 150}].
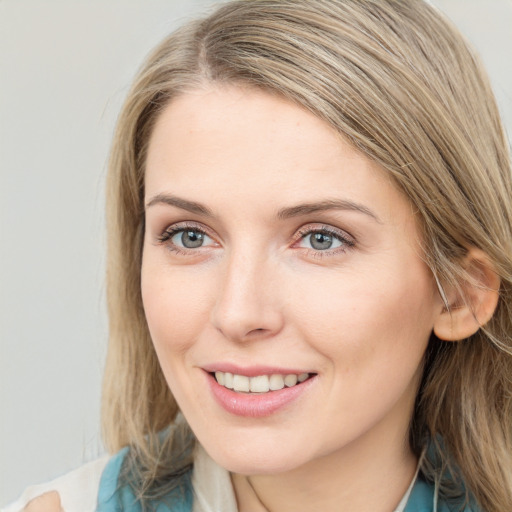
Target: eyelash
[
  {"x": 346, "y": 241},
  {"x": 167, "y": 235}
]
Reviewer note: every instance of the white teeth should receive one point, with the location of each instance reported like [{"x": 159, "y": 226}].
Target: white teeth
[
  {"x": 241, "y": 383},
  {"x": 276, "y": 382},
  {"x": 228, "y": 380},
  {"x": 290, "y": 380},
  {"x": 260, "y": 383}
]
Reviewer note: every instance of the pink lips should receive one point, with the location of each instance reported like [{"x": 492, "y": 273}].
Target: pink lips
[{"x": 255, "y": 405}]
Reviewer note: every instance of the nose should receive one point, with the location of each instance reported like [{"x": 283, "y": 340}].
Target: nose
[{"x": 247, "y": 304}]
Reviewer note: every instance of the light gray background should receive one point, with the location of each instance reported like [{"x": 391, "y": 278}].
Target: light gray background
[{"x": 65, "y": 67}]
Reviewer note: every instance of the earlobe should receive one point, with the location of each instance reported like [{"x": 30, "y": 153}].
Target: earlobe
[{"x": 473, "y": 303}]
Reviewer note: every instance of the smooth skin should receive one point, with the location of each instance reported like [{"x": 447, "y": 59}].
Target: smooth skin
[{"x": 341, "y": 292}]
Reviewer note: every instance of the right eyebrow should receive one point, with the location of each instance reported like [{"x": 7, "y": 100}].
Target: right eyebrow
[
  {"x": 326, "y": 205},
  {"x": 178, "y": 202}
]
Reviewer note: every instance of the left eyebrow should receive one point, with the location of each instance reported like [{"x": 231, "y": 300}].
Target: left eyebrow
[{"x": 321, "y": 206}]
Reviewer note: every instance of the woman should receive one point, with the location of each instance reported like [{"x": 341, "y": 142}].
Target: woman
[{"x": 310, "y": 258}]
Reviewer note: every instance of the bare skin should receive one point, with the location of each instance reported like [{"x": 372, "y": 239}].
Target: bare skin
[{"x": 48, "y": 502}]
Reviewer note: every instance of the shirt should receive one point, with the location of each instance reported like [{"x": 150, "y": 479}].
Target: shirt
[{"x": 93, "y": 487}]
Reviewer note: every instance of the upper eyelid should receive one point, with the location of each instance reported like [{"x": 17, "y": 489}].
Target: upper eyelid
[
  {"x": 165, "y": 235},
  {"x": 307, "y": 229},
  {"x": 192, "y": 225}
]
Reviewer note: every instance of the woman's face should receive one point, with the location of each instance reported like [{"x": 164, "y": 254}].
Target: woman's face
[{"x": 275, "y": 252}]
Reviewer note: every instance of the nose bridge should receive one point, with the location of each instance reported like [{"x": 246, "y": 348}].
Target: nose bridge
[{"x": 247, "y": 301}]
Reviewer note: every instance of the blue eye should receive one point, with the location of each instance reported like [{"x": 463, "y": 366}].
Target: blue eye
[
  {"x": 185, "y": 238},
  {"x": 190, "y": 238},
  {"x": 324, "y": 239}
]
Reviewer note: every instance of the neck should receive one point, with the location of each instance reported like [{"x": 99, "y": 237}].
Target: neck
[{"x": 373, "y": 476}]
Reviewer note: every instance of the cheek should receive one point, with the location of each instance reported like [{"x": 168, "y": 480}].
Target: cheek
[
  {"x": 372, "y": 334},
  {"x": 175, "y": 308},
  {"x": 356, "y": 318}
]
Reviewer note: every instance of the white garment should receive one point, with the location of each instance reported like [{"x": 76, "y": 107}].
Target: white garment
[
  {"x": 213, "y": 491},
  {"x": 78, "y": 489}
]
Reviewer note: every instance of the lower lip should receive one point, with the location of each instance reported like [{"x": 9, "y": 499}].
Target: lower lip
[{"x": 256, "y": 405}]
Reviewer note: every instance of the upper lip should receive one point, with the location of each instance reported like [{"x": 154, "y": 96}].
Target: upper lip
[{"x": 253, "y": 370}]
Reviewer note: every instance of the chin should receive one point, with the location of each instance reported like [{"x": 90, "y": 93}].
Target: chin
[{"x": 256, "y": 458}]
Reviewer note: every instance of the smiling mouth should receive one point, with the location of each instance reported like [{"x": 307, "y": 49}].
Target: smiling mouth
[{"x": 260, "y": 383}]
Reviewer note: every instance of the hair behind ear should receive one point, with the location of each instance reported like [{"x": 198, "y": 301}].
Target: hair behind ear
[
  {"x": 464, "y": 407},
  {"x": 464, "y": 404}
]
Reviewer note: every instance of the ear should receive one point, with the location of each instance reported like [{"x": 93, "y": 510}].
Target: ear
[{"x": 472, "y": 304}]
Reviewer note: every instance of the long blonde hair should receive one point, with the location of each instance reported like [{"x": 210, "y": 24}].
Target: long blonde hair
[{"x": 401, "y": 84}]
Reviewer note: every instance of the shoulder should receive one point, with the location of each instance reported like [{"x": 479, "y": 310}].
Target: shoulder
[
  {"x": 95, "y": 487},
  {"x": 76, "y": 490},
  {"x": 207, "y": 488}
]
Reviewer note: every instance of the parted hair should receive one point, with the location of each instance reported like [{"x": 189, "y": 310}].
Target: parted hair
[{"x": 401, "y": 84}]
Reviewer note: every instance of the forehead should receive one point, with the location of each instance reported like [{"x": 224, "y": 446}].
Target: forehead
[
  {"x": 232, "y": 119},
  {"x": 238, "y": 145}
]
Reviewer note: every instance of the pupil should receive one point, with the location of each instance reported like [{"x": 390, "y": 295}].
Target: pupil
[
  {"x": 192, "y": 239},
  {"x": 320, "y": 241}
]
